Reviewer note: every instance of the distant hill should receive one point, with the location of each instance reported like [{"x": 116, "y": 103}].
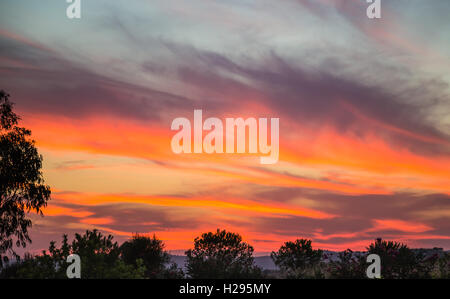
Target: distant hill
[
  {"x": 180, "y": 260},
  {"x": 265, "y": 262}
]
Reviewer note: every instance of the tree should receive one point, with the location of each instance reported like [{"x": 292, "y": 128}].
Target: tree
[
  {"x": 49, "y": 264},
  {"x": 348, "y": 266},
  {"x": 297, "y": 259},
  {"x": 98, "y": 253},
  {"x": 221, "y": 255},
  {"x": 22, "y": 188},
  {"x": 99, "y": 257},
  {"x": 398, "y": 261},
  {"x": 443, "y": 265},
  {"x": 150, "y": 251}
]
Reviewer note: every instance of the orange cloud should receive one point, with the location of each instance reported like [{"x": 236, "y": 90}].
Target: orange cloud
[
  {"x": 98, "y": 221},
  {"x": 361, "y": 161},
  {"x": 399, "y": 225},
  {"x": 241, "y": 205},
  {"x": 55, "y": 210}
]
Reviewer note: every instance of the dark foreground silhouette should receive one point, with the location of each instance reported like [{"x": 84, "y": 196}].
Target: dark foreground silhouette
[{"x": 222, "y": 254}]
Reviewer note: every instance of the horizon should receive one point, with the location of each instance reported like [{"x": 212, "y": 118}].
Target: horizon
[{"x": 363, "y": 107}]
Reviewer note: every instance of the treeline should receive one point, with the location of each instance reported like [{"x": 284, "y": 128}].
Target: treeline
[{"x": 219, "y": 254}]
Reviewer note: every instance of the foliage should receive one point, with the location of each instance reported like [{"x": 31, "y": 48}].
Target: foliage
[
  {"x": 173, "y": 272},
  {"x": 99, "y": 259},
  {"x": 98, "y": 253},
  {"x": 22, "y": 187},
  {"x": 221, "y": 255},
  {"x": 348, "y": 266},
  {"x": 398, "y": 261},
  {"x": 151, "y": 252},
  {"x": 298, "y": 260},
  {"x": 443, "y": 266}
]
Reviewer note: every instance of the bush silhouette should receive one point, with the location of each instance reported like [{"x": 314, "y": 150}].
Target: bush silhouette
[
  {"x": 99, "y": 257},
  {"x": 221, "y": 254},
  {"x": 348, "y": 266},
  {"x": 297, "y": 259},
  {"x": 151, "y": 252},
  {"x": 398, "y": 261}
]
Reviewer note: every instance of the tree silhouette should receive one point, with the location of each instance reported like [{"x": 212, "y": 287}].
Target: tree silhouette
[
  {"x": 296, "y": 258},
  {"x": 99, "y": 257},
  {"x": 399, "y": 261},
  {"x": 150, "y": 251},
  {"x": 22, "y": 188},
  {"x": 348, "y": 266},
  {"x": 221, "y": 255}
]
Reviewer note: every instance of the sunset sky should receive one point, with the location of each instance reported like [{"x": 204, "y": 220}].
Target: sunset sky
[{"x": 364, "y": 109}]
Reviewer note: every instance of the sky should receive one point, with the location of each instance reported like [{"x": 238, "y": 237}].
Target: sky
[{"x": 364, "y": 109}]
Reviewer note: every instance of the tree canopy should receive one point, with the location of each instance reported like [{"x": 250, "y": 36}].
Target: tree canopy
[
  {"x": 221, "y": 254},
  {"x": 148, "y": 249},
  {"x": 99, "y": 256},
  {"x": 22, "y": 188},
  {"x": 399, "y": 261},
  {"x": 295, "y": 258}
]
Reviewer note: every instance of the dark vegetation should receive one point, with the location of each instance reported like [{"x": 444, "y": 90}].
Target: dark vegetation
[
  {"x": 22, "y": 187},
  {"x": 219, "y": 254}
]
